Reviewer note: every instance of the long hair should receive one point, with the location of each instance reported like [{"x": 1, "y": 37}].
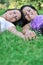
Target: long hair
[
  {"x": 30, "y": 7},
  {"x": 24, "y": 20}
]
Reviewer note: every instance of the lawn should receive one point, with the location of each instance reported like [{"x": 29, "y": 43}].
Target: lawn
[{"x": 16, "y": 51}]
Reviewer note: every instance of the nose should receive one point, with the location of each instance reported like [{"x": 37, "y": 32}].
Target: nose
[
  {"x": 28, "y": 14},
  {"x": 13, "y": 16}
]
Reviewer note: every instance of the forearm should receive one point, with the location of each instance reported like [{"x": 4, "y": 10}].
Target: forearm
[
  {"x": 25, "y": 28},
  {"x": 14, "y": 31}
]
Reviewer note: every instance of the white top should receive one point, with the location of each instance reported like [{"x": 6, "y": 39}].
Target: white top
[{"x": 4, "y": 24}]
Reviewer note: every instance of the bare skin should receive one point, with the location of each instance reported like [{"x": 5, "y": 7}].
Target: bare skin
[
  {"x": 14, "y": 30},
  {"x": 12, "y": 16},
  {"x": 28, "y": 33},
  {"x": 29, "y": 14}
]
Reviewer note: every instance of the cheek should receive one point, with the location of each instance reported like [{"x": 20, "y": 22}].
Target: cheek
[
  {"x": 27, "y": 18},
  {"x": 19, "y": 16},
  {"x": 33, "y": 16},
  {"x": 12, "y": 20}
]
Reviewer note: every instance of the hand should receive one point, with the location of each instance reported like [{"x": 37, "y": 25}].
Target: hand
[
  {"x": 30, "y": 35},
  {"x": 13, "y": 30},
  {"x": 21, "y": 35}
]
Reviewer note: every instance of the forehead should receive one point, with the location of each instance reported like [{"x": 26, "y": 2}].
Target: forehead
[
  {"x": 16, "y": 11},
  {"x": 28, "y": 8}
]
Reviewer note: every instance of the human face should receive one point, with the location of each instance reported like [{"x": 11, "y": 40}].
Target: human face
[
  {"x": 13, "y": 15},
  {"x": 29, "y": 13}
]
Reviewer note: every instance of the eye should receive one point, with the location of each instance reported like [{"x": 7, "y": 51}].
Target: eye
[
  {"x": 28, "y": 10},
  {"x": 31, "y": 13},
  {"x": 14, "y": 12}
]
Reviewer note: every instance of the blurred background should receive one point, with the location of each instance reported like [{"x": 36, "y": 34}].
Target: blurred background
[
  {"x": 9, "y": 4},
  {"x": 14, "y": 50},
  {"x": 4, "y": 4}
]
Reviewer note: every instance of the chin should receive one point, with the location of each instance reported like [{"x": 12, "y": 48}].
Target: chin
[{"x": 28, "y": 20}]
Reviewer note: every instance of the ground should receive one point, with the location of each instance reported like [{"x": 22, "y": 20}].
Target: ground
[{"x": 16, "y": 51}]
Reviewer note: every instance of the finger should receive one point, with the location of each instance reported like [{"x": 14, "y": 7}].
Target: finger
[
  {"x": 26, "y": 37},
  {"x": 29, "y": 37},
  {"x": 33, "y": 35}
]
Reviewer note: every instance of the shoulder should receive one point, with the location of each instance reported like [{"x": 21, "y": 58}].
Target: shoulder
[{"x": 39, "y": 16}]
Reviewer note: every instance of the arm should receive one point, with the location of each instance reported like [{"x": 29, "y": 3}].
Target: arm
[
  {"x": 28, "y": 33},
  {"x": 13, "y": 30},
  {"x": 25, "y": 28}
]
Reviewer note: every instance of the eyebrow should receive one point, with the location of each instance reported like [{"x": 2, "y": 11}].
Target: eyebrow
[{"x": 29, "y": 10}]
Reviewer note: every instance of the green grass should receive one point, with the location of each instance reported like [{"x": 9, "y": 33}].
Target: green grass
[
  {"x": 40, "y": 11},
  {"x": 2, "y": 11},
  {"x": 15, "y": 51}
]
